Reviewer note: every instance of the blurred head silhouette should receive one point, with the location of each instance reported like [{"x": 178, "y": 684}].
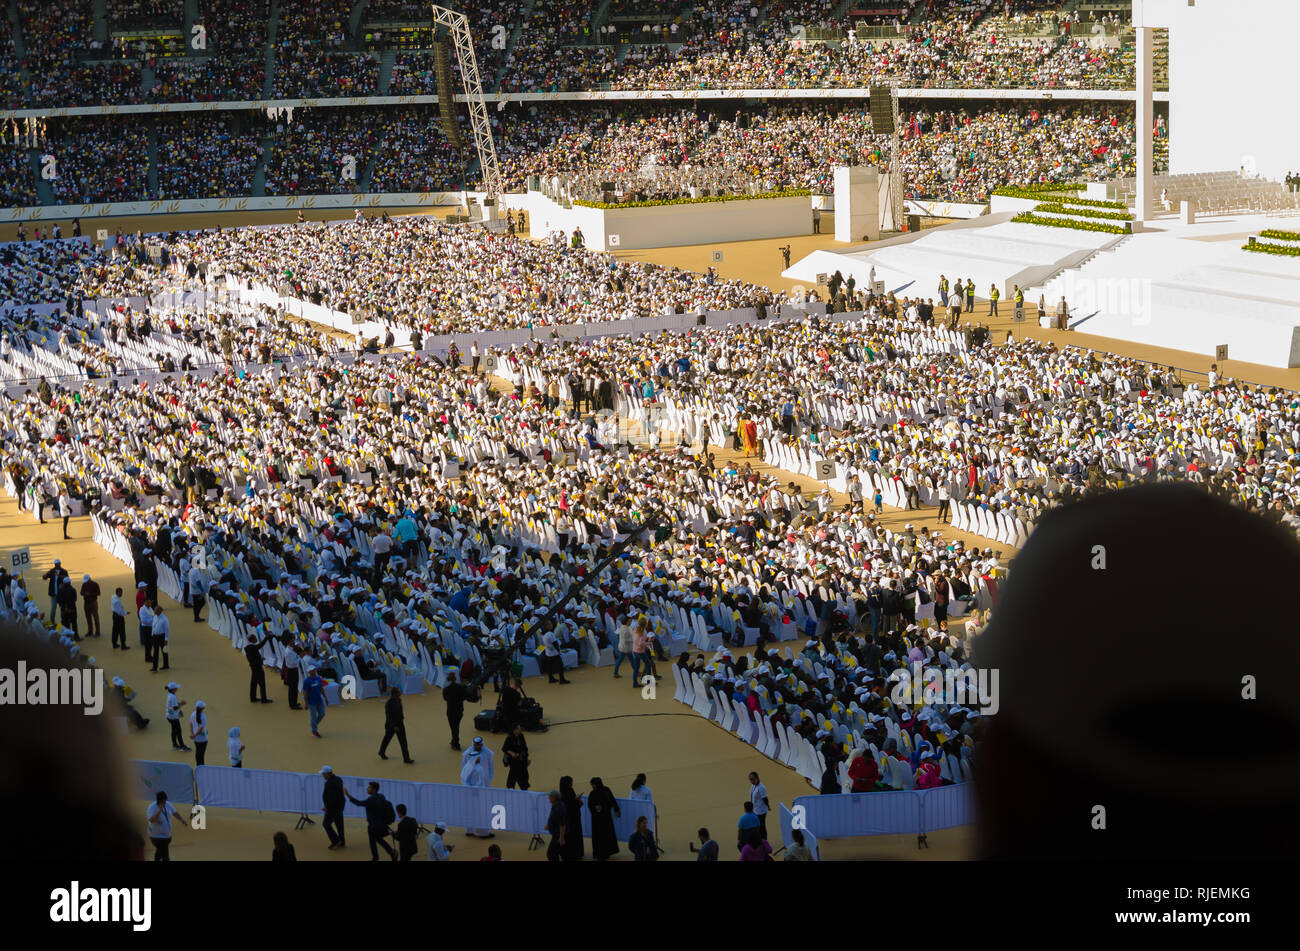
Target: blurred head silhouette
[
  {"x": 1146, "y": 648},
  {"x": 64, "y": 763}
]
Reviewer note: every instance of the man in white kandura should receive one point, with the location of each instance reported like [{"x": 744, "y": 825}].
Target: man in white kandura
[{"x": 477, "y": 769}]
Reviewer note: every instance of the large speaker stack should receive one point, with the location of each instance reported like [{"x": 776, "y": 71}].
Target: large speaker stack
[
  {"x": 882, "y": 110},
  {"x": 446, "y": 94}
]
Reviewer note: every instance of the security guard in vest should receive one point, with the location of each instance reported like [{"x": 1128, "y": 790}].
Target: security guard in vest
[
  {"x": 993, "y": 300},
  {"x": 1020, "y": 303},
  {"x": 943, "y": 290}
]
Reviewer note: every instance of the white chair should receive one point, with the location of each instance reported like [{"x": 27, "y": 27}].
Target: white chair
[
  {"x": 766, "y": 742},
  {"x": 722, "y": 713},
  {"x": 743, "y": 723},
  {"x": 789, "y": 754},
  {"x": 703, "y": 703},
  {"x": 679, "y": 691}
]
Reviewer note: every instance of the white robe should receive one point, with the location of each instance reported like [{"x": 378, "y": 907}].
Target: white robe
[{"x": 478, "y": 773}]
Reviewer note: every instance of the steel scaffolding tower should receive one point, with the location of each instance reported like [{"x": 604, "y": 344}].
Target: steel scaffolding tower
[{"x": 458, "y": 25}]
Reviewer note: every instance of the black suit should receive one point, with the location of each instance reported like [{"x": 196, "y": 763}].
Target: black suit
[
  {"x": 407, "y": 831},
  {"x": 253, "y": 651},
  {"x": 334, "y": 800},
  {"x": 394, "y": 725},
  {"x": 455, "y": 695},
  {"x": 516, "y": 757}
]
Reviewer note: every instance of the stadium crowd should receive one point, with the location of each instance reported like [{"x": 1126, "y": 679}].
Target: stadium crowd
[
  {"x": 955, "y": 155},
  {"x": 557, "y": 49},
  {"x": 339, "y": 514}
]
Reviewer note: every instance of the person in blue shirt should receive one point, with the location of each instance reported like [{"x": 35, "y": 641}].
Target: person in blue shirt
[
  {"x": 747, "y": 829},
  {"x": 460, "y": 600},
  {"x": 313, "y": 692},
  {"x": 407, "y": 535}
]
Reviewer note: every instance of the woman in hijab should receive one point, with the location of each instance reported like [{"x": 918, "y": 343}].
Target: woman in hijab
[
  {"x": 604, "y": 808},
  {"x": 573, "y": 847}
]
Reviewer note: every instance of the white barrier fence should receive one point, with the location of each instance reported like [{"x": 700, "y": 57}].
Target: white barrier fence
[
  {"x": 905, "y": 812},
  {"x": 266, "y": 790}
]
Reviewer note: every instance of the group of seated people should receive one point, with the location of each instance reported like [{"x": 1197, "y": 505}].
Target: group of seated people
[
  {"x": 406, "y": 516},
  {"x": 560, "y": 47},
  {"x": 953, "y": 155},
  {"x": 646, "y": 151}
]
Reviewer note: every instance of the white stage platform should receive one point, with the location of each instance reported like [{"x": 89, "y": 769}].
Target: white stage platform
[
  {"x": 1191, "y": 287},
  {"x": 987, "y": 250},
  {"x": 1186, "y": 287}
]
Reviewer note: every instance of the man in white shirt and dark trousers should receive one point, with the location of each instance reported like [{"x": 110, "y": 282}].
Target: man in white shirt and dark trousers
[
  {"x": 173, "y": 714},
  {"x": 160, "y": 816},
  {"x": 197, "y": 591},
  {"x": 119, "y": 613},
  {"x": 162, "y": 627},
  {"x": 146, "y": 631}
]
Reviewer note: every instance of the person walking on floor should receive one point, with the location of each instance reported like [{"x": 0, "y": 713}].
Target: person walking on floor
[
  {"x": 65, "y": 509},
  {"x": 67, "y": 598},
  {"x": 173, "y": 714},
  {"x": 407, "y": 834},
  {"x": 162, "y": 628},
  {"x": 394, "y": 725},
  {"x": 289, "y": 673},
  {"x": 758, "y": 796},
  {"x": 455, "y": 694},
  {"x": 313, "y": 692},
  {"x": 574, "y": 847},
  {"x": 119, "y": 612},
  {"x": 603, "y": 807},
  {"x": 235, "y": 747},
  {"x": 379, "y": 816},
  {"x": 333, "y": 802},
  {"x": 145, "y": 615},
  {"x": 555, "y": 825},
  {"x": 623, "y": 647},
  {"x": 256, "y": 667},
  {"x": 160, "y": 815},
  {"x": 515, "y": 755},
  {"x": 90, "y": 605},
  {"x": 145, "y": 627},
  {"x": 199, "y": 732},
  {"x": 197, "y": 583}
]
